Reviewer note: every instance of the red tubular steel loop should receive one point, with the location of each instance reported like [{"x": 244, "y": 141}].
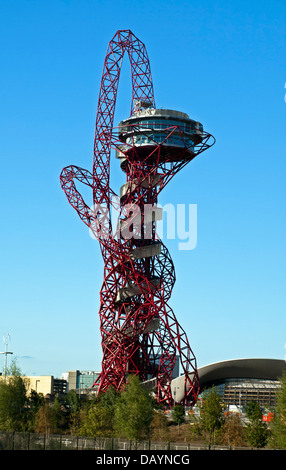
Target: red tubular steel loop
[{"x": 130, "y": 342}]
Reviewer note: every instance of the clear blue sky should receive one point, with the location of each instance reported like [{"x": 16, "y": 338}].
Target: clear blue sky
[{"x": 223, "y": 63}]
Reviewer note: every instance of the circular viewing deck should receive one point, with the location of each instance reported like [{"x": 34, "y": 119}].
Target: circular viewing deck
[{"x": 172, "y": 133}]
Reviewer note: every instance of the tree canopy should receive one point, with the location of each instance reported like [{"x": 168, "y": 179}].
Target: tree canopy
[
  {"x": 278, "y": 426},
  {"x": 134, "y": 411},
  {"x": 211, "y": 413}
]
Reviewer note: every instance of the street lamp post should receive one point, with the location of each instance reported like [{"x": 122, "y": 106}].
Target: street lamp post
[{"x": 6, "y": 354}]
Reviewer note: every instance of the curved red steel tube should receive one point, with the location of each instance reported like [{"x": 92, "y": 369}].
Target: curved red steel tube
[{"x": 140, "y": 333}]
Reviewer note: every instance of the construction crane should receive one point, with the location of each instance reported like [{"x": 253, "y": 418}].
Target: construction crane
[{"x": 140, "y": 334}]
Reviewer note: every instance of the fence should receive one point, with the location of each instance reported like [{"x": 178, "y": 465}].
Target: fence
[{"x": 32, "y": 441}]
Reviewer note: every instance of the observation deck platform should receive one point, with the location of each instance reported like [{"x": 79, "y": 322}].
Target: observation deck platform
[{"x": 173, "y": 132}]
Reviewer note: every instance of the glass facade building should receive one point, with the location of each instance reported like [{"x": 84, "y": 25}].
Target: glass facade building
[
  {"x": 238, "y": 392},
  {"x": 242, "y": 380},
  {"x": 81, "y": 381}
]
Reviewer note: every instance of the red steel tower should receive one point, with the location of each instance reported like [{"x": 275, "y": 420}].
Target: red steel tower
[{"x": 139, "y": 331}]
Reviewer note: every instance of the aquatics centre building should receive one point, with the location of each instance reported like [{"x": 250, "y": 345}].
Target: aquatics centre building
[{"x": 239, "y": 381}]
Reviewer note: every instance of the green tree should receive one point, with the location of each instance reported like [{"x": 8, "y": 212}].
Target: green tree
[
  {"x": 134, "y": 411},
  {"x": 178, "y": 414},
  {"x": 109, "y": 399},
  {"x": 96, "y": 422},
  {"x": 195, "y": 431},
  {"x": 97, "y": 415},
  {"x": 46, "y": 420},
  {"x": 233, "y": 431},
  {"x": 73, "y": 408},
  {"x": 257, "y": 434},
  {"x": 253, "y": 410},
  {"x": 211, "y": 415},
  {"x": 34, "y": 402},
  {"x": 14, "y": 370},
  {"x": 278, "y": 426},
  {"x": 13, "y": 412},
  {"x": 61, "y": 414},
  {"x": 159, "y": 427},
  {"x": 256, "y": 430}
]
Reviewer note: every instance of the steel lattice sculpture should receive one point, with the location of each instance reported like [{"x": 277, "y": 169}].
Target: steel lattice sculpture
[{"x": 139, "y": 331}]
